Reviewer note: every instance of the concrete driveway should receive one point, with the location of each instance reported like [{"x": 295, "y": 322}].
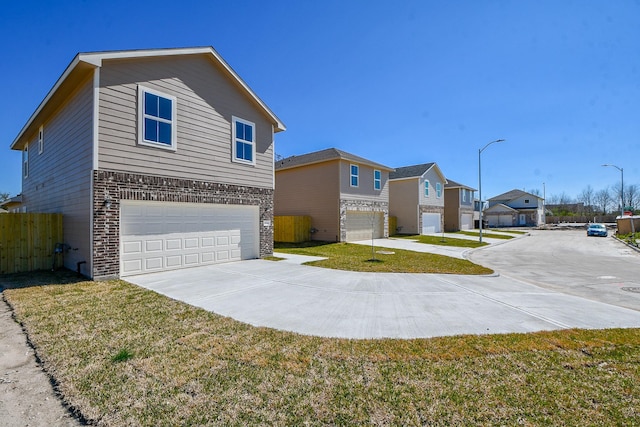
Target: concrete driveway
[{"x": 331, "y": 303}]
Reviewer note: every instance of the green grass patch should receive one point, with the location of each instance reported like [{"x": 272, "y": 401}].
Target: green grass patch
[
  {"x": 352, "y": 257},
  {"x": 122, "y": 356},
  {"x": 192, "y": 367},
  {"x": 488, "y": 235},
  {"x": 443, "y": 241}
]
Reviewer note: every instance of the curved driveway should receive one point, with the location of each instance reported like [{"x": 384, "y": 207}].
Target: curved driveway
[{"x": 332, "y": 303}]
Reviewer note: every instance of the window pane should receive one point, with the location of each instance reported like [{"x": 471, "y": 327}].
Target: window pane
[
  {"x": 354, "y": 170},
  {"x": 165, "y": 108},
  {"x": 354, "y": 181},
  {"x": 248, "y": 133},
  {"x": 150, "y": 104},
  {"x": 239, "y": 130},
  {"x": 164, "y": 133},
  {"x": 248, "y": 152},
  {"x": 150, "y": 130}
]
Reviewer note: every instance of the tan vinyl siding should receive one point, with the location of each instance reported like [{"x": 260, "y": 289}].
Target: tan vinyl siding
[
  {"x": 403, "y": 204},
  {"x": 432, "y": 200},
  {"x": 364, "y": 190},
  {"x": 311, "y": 190},
  {"x": 452, "y": 200},
  {"x": 60, "y": 178},
  {"x": 206, "y": 102}
]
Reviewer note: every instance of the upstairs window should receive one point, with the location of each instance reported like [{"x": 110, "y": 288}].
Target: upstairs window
[
  {"x": 40, "y": 140},
  {"x": 377, "y": 180},
  {"x": 464, "y": 195},
  {"x": 244, "y": 141},
  {"x": 25, "y": 160},
  {"x": 355, "y": 171},
  {"x": 438, "y": 190},
  {"x": 157, "y": 119},
  {"x": 426, "y": 189}
]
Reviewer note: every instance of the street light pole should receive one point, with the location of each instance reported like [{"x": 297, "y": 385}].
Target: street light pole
[
  {"x": 480, "y": 180},
  {"x": 621, "y": 187}
]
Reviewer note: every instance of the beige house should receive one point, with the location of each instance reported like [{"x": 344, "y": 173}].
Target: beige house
[
  {"x": 458, "y": 206},
  {"x": 416, "y": 198},
  {"x": 157, "y": 159},
  {"x": 346, "y": 196}
]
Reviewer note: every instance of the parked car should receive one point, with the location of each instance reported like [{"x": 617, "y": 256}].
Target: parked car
[{"x": 597, "y": 230}]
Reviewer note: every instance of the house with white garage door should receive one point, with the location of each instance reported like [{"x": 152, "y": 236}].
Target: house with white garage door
[
  {"x": 458, "y": 206},
  {"x": 515, "y": 208},
  {"x": 158, "y": 159},
  {"x": 416, "y": 198},
  {"x": 346, "y": 196}
]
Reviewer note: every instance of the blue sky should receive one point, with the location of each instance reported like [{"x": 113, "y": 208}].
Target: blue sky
[{"x": 398, "y": 82}]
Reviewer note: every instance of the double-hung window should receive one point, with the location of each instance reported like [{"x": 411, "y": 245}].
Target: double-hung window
[
  {"x": 354, "y": 175},
  {"x": 426, "y": 189},
  {"x": 25, "y": 160},
  {"x": 377, "y": 179},
  {"x": 40, "y": 140},
  {"x": 244, "y": 141},
  {"x": 156, "y": 119},
  {"x": 464, "y": 195},
  {"x": 438, "y": 190}
]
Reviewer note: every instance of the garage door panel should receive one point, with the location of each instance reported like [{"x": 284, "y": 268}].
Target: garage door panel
[
  {"x": 360, "y": 225},
  {"x": 430, "y": 223},
  {"x": 153, "y": 239}
]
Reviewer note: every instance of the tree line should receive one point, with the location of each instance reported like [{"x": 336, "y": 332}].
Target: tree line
[{"x": 591, "y": 201}]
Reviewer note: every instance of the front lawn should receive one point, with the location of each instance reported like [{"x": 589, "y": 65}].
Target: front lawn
[
  {"x": 123, "y": 356},
  {"x": 441, "y": 241},
  {"x": 352, "y": 257},
  {"x": 488, "y": 235}
]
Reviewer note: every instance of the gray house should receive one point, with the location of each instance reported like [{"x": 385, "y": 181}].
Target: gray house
[
  {"x": 416, "y": 198},
  {"x": 157, "y": 159},
  {"x": 515, "y": 208},
  {"x": 346, "y": 196}
]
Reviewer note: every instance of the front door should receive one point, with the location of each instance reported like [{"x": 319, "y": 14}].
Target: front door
[{"x": 523, "y": 219}]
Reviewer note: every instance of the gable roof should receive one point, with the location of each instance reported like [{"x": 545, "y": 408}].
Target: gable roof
[
  {"x": 84, "y": 63},
  {"x": 513, "y": 194},
  {"x": 325, "y": 156},
  {"x": 500, "y": 207},
  {"x": 416, "y": 171},
  {"x": 453, "y": 184}
]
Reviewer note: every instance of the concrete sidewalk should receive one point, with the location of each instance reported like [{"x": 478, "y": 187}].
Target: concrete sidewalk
[{"x": 334, "y": 303}]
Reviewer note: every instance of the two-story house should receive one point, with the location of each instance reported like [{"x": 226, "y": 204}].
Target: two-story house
[
  {"x": 515, "y": 208},
  {"x": 346, "y": 196},
  {"x": 157, "y": 159},
  {"x": 416, "y": 198},
  {"x": 458, "y": 206}
]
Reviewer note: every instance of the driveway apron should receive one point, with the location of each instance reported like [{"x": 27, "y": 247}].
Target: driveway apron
[{"x": 333, "y": 303}]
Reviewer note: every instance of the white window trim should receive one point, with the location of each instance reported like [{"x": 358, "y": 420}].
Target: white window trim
[
  {"x": 356, "y": 175},
  {"x": 438, "y": 190},
  {"x": 426, "y": 188},
  {"x": 40, "y": 140},
  {"x": 377, "y": 180},
  {"x": 174, "y": 122},
  {"x": 234, "y": 155},
  {"x": 25, "y": 161}
]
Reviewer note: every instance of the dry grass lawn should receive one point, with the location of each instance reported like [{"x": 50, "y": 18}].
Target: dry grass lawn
[{"x": 126, "y": 356}]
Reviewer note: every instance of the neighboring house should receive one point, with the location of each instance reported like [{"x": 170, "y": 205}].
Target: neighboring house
[
  {"x": 515, "y": 208},
  {"x": 416, "y": 198},
  {"x": 13, "y": 204},
  {"x": 158, "y": 159},
  {"x": 346, "y": 196},
  {"x": 458, "y": 206}
]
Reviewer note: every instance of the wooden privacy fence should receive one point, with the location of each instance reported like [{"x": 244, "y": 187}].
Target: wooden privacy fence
[
  {"x": 393, "y": 225},
  {"x": 291, "y": 229},
  {"x": 28, "y": 241}
]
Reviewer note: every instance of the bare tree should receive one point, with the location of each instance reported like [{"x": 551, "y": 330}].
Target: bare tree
[
  {"x": 603, "y": 200},
  {"x": 535, "y": 192},
  {"x": 631, "y": 196},
  {"x": 564, "y": 199},
  {"x": 615, "y": 194},
  {"x": 553, "y": 199},
  {"x": 3, "y": 197},
  {"x": 586, "y": 197}
]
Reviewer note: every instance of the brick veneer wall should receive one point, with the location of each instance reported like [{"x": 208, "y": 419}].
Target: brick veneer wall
[
  {"x": 116, "y": 186},
  {"x": 430, "y": 209},
  {"x": 363, "y": 206}
]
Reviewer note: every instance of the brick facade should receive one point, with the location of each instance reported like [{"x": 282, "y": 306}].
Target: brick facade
[
  {"x": 116, "y": 186},
  {"x": 430, "y": 209},
  {"x": 363, "y": 206}
]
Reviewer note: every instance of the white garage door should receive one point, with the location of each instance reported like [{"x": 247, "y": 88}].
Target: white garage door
[
  {"x": 157, "y": 236},
  {"x": 430, "y": 223},
  {"x": 466, "y": 222},
  {"x": 359, "y": 225}
]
